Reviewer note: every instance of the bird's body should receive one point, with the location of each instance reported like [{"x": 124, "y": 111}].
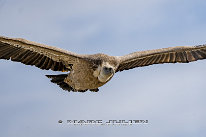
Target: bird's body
[
  {"x": 93, "y": 78},
  {"x": 89, "y": 72}
]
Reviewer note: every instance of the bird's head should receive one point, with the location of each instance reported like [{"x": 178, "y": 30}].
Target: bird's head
[{"x": 104, "y": 72}]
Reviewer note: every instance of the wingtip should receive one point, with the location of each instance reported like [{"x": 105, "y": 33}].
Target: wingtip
[{"x": 48, "y": 76}]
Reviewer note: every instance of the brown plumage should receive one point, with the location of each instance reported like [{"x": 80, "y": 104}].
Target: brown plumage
[{"x": 88, "y": 72}]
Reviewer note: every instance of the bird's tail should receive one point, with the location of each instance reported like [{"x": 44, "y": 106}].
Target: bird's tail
[{"x": 59, "y": 80}]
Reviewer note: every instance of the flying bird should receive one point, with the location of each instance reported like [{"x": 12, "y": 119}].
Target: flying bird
[{"x": 89, "y": 72}]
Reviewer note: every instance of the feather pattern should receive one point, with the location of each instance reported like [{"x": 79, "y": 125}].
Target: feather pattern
[
  {"x": 167, "y": 55},
  {"x": 42, "y": 56}
]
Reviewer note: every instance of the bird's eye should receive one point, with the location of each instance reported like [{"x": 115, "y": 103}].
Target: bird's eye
[{"x": 105, "y": 68}]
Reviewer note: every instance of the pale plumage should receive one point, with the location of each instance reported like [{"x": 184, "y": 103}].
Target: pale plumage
[{"x": 88, "y": 72}]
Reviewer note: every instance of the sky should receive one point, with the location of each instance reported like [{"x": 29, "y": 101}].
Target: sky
[{"x": 170, "y": 96}]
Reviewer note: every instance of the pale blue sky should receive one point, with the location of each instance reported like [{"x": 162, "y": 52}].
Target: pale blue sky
[{"x": 170, "y": 96}]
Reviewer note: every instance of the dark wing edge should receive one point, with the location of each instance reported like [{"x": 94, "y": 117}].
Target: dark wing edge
[
  {"x": 181, "y": 54},
  {"x": 32, "y": 53}
]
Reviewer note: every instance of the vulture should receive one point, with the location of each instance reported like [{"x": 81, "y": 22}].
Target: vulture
[{"x": 89, "y": 72}]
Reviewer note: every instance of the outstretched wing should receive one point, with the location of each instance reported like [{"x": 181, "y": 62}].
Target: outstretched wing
[
  {"x": 42, "y": 56},
  {"x": 183, "y": 54}
]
